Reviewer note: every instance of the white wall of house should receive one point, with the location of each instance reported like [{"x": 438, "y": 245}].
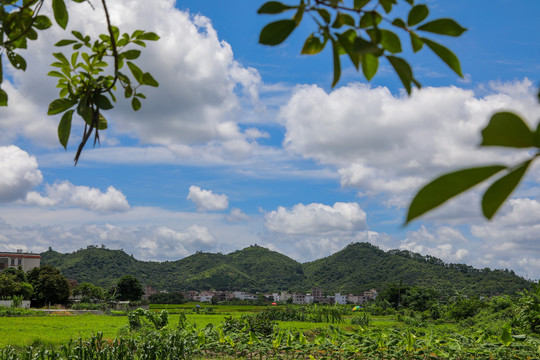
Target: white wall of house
[{"x": 340, "y": 299}]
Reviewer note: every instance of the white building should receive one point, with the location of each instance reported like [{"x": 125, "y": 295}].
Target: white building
[
  {"x": 244, "y": 296},
  {"x": 340, "y": 299},
  {"x": 27, "y": 261},
  {"x": 298, "y": 298}
]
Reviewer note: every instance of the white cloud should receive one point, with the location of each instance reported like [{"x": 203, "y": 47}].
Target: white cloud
[
  {"x": 199, "y": 102},
  {"x": 237, "y": 215},
  {"x": 446, "y": 243},
  {"x": 68, "y": 195},
  {"x": 206, "y": 200},
  {"x": 386, "y": 144},
  {"x": 19, "y": 173},
  {"x": 315, "y": 218}
]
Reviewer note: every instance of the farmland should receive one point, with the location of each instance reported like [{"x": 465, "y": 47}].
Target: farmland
[{"x": 283, "y": 331}]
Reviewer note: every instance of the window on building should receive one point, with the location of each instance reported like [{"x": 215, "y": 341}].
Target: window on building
[
  {"x": 19, "y": 262},
  {"x": 12, "y": 262}
]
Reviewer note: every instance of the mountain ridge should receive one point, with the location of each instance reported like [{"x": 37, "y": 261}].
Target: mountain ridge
[{"x": 354, "y": 269}]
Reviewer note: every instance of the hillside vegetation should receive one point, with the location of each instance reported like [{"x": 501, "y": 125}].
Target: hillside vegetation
[{"x": 356, "y": 268}]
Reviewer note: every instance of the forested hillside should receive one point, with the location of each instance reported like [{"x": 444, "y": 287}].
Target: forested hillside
[
  {"x": 356, "y": 268},
  {"x": 361, "y": 266}
]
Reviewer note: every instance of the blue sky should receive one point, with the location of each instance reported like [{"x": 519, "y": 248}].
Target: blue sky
[{"x": 245, "y": 144}]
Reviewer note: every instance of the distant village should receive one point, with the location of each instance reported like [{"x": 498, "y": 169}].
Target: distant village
[{"x": 315, "y": 297}]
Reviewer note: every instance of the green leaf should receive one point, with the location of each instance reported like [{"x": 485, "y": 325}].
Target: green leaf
[
  {"x": 137, "y": 73},
  {"x": 507, "y": 129},
  {"x": 32, "y": 34},
  {"x": 443, "y": 27},
  {"x": 74, "y": 58},
  {"x": 64, "y": 128},
  {"x": 150, "y": 36},
  {"x": 60, "y": 13},
  {"x": 149, "y": 80},
  {"x": 370, "y": 19},
  {"x": 403, "y": 70},
  {"x": 102, "y": 122},
  {"x": 343, "y": 19},
  {"x": 276, "y": 32},
  {"x": 325, "y": 15},
  {"x": 135, "y": 104},
  {"x": 337, "y": 63},
  {"x": 501, "y": 189},
  {"x": 42, "y": 22},
  {"x": 390, "y": 41},
  {"x": 313, "y": 45},
  {"x": 445, "y": 54},
  {"x": 273, "y": 7},
  {"x": 131, "y": 54},
  {"x": 399, "y": 23},
  {"x": 370, "y": 64},
  {"x": 346, "y": 40},
  {"x": 359, "y": 4},
  {"x": 417, "y": 14},
  {"x": 65, "y": 42},
  {"x": 387, "y": 5},
  {"x": 60, "y": 105},
  {"x": 3, "y": 98},
  {"x": 17, "y": 61},
  {"x": 62, "y": 58},
  {"x": 506, "y": 336},
  {"x": 362, "y": 46},
  {"x": 416, "y": 42},
  {"x": 128, "y": 91},
  {"x": 56, "y": 74},
  {"x": 102, "y": 102},
  {"x": 446, "y": 187}
]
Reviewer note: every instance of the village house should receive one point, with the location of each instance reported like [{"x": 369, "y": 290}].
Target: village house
[
  {"x": 27, "y": 261},
  {"x": 340, "y": 299}
]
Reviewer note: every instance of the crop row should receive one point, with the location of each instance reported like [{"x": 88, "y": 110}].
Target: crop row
[{"x": 242, "y": 339}]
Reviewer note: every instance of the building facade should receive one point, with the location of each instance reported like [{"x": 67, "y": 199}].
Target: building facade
[{"x": 27, "y": 261}]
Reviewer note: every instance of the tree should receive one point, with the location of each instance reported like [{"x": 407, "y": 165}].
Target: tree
[
  {"x": 129, "y": 288},
  {"x": 11, "y": 285},
  {"x": 50, "y": 285},
  {"x": 83, "y": 85},
  {"x": 89, "y": 292}
]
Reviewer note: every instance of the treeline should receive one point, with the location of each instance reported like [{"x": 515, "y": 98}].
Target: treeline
[
  {"x": 47, "y": 285},
  {"x": 355, "y": 269}
]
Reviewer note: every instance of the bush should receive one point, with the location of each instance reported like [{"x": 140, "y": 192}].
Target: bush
[
  {"x": 362, "y": 319},
  {"x": 255, "y": 323}
]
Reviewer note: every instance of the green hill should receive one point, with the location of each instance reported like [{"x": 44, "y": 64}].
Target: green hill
[
  {"x": 356, "y": 268},
  {"x": 362, "y": 266}
]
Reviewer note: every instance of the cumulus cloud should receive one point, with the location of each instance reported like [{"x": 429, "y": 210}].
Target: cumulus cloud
[
  {"x": 237, "y": 215},
  {"x": 206, "y": 200},
  {"x": 202, "y": 91},
  {"x": 19, "y": 173},
  {"x": 386, "y": 144},
  {"x": 512, "y": 237},
  {"x": 316, "y": 219},
  {"x": 68, "y": 195},
  {"x": 444, "y": 243}
]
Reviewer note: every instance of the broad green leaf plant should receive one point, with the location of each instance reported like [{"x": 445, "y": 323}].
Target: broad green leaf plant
[
  {"x": 89, "y": 76},
  {"x": 366, "y": 31}
]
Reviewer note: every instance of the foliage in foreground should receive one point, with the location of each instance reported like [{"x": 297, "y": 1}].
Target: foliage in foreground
[{"x": 188, "y": 342}]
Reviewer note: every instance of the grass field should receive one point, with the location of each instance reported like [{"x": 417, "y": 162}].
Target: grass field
[{"x": 53, "y": 330}]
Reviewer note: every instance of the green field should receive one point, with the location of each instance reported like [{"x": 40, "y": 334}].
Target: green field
[{"x": 250, "y": 332}]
